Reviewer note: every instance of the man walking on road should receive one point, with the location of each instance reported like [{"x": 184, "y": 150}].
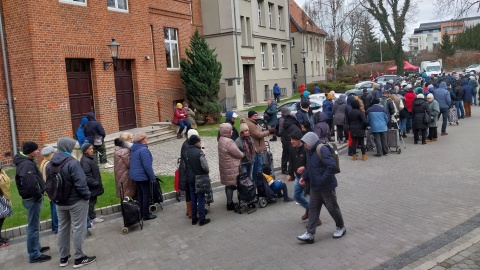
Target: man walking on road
[
  {"x": 320, "y": 174},
  {"x": 30, "y": 186}
]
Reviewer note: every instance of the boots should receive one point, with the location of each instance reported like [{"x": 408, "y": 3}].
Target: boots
[
  {"x": 364, "y": 157},
  {"x": 354, "y": 156},
  {"x": 274, "y": 139},
  {"x": 230, "y": 206},
  {"x": 305, "y": 216},
  {"x": 189, "y": 209}
]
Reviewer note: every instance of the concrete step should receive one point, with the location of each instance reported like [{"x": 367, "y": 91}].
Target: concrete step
[{"x": 158, "y": 136}]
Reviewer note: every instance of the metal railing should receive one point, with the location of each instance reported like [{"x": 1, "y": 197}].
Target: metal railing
[{"x": 269, "y": 93}]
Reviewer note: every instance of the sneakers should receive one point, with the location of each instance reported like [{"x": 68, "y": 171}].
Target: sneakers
[
  {"x": 307, "y": 237},
  {"x": 97, "y": 220},
  {"x": 107, "y": 166},
  {"x": 84, "y": 261},
  {"x": 4, "y": 244},
  {"x": 339, "y": 232},
  {"x": 64, "y": 261},
  {"x": 204, "y": 222},
  {"x": 41, "y": 258}
]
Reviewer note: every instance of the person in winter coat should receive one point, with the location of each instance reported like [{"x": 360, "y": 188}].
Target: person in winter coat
[
  {"x": 339, "y": 109},
  {"x": 321, "y": 128},
  {"x": 287, "y": 124},
  {"x": 357, "y": 124},
  {"x": 191, "y": 116},
  {"x": 245, "y": 144},
  {"x": 272, "y": 113},
  {"x": 230, "y": 157},
  {"x": 184, "y": 174},
  {"x": 303, "y": 117},
  {"x": 121, "y": 159},
  {"x": 409, "y": 97},
  {"x": 47, "y": 154},
  {"x": 96, "y": 136},
  {"x": 467, "y": 98},
  {"x": 444, "y": 99},
  {"x": 230, "y": 117},
  {"x": 459, "y": 93},
  {"x": 377, "y": 118},
  {"x": 30, "y": 186},
  {"x": 197, "y": 165},
  {"x": 141, "y": 171},
  {"x": 276, "y": 92},
  {"x": 434, "y": 109},
  {"x": 4, "y": 192},
  {"x": 420, "y": 108},
  {"x": 367, "y": 99},
  {"x": 180, "y": 118},
  {"x": 302, "y": 89},
  {"x": 327, "y": 108},
  {"x": 72, "y": 213},
  {"x": 80, "y": 133},
  {"x": 473, "y": 82},
  {"x": 94, "y": 180},
  {"x": 320, "y": 174}
]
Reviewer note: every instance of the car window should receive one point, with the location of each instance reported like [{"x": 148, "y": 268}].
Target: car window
[
  {"x": 292, "y": 106},
  {"x": 315, "y": 106}
]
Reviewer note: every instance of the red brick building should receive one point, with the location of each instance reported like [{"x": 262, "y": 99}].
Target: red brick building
[{"x": 56, "y": 51}]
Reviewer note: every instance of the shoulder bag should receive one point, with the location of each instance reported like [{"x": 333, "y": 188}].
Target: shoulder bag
[
  {"x": 427, "y": 119},
  {"x": 5, "y": 208},
  {"x": 203, "y": 184}
]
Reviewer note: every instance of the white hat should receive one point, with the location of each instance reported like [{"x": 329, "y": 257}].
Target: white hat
[
  {"x": 409, "y": 86},
  {"x": 430, "y": 96},
  {"x": 192, "y": 132},
  {"x": 234, "y": 115},
  {"x": 420, "y": 96}
]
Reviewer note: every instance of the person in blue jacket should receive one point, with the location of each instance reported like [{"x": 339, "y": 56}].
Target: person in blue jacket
[
  {"x": 272, "y": 113},
  {"x": 467, "y": 97},
  {"x": 81, "y": 138},
  {"x": 377, "y": 118},
  {"x": 327, "y": 108},
  {"x": 141, "y": 171},
  {"x": 276, "y": 92}
]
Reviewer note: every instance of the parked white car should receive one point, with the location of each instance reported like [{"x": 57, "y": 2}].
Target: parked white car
[
  {"x": 360, "y": 84},
  {"x": 321, "y": 96},
  {"x": 475, "y": 68}
]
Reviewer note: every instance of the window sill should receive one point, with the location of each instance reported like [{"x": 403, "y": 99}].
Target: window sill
[
  {"x": 118, "y": 10},
  {"x": 246, "y": 46},
  {"x": 265, "y": 68},
  {"x": 275, "y": 68},
  {"x": 173, "y": 69},
  {"x": 73, "y": 3},
  {"x": 281, "y": 30},
  {"x": 284, "y": 67},
  {"x": 263, "y": 26},
  {"x": 273, "y": 28}
]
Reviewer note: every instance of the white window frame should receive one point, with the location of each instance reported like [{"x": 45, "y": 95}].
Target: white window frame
[
  {"x": 73, "y": 2},
  {"x": 274, "y": 55},
  {"x": 116, "y": 7},
  {"x": 173, "y": 42},
  {"x": 270, "y": 15},
  {"x": 260, "y": 3},
  {"x": 280, "y": 14},
  {"x": 262, "y": 54},
  {"x": 282, "y": 56}
]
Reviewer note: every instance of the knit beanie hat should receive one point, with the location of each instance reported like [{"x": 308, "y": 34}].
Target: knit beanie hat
[
  {"x": 66, "y": 144},
  {"x": 305, "y": 104},
  {"x": 179, "y": 105},
  {"x": 139, "y": 136},
  {"x": 430, "y": 96},
  {"x": 192, "y": 132},
  {"x": 296, "y": 135},
  {"x": 193, "y": 140},
  {"x": 47, "y": 150},
  {"x": 251, "y": 113},
  {"x": 29, "y": 147},
  {"x": 420, "y": 96},
  {"x": 85, "y": 147},
  {"x": 310, "y": 138},
  {"x": 243, "y": 125}
]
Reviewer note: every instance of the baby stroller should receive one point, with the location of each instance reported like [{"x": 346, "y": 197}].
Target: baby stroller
[
  {"x": 130, "y": 212},
  {"x": 267, "y": 157},
  {"x": 265, "y": 194},
  {"x": 157, "y": 195},
  {"x": 246, "y": 194}
]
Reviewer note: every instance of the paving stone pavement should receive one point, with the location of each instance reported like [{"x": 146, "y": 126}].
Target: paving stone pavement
[{"x": 401, "y": 212}]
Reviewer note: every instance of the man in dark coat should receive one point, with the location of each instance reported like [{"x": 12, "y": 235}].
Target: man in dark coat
[
  {"x": 419, "y": 109},
  {"x": 367, "y": 99},
  {"x": 304, "y": 120},
  {"x": 30, "y": 187},
  {"x": 459, "y": 93},
  {"x": 272, "y": 113},
  {"x": 94, "y": 180},
  {"x": 467, "y": 98},
  {"x": 230, "y": 117},
  {"x": 96, "y": 136},
  {"x": 287, "y": 124}
]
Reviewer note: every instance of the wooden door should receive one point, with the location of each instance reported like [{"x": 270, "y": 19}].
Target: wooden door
[
  {"x": 79, "y": 80},
  {"x": 125, "y": 98},
  {"x": 246, "y": 84}
]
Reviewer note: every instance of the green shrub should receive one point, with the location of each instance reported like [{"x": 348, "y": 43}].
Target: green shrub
[{"x": 338, "y": 87}]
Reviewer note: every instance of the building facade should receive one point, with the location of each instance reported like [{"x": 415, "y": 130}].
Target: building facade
[
  {"x": 306, "y": 37},
  {"x": 56, "y": 52},
  {"x": 251, "y": 38}
]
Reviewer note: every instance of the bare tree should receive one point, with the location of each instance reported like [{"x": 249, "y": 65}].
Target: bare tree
[
  {"x": 460, "y": 8},
  {"x": 353, "y": 27}
]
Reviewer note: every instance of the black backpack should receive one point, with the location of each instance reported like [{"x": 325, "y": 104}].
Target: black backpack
[
  {"x": 57, "y": 188},
  {"x": 333, "y": 149}
]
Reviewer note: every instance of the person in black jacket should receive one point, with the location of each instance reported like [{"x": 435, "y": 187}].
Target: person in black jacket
[
  {"x": 96, "y": 136},
  {"x": 419, "y": 109},
  {"x": 287, "y": 124},
  {"x": 94, "y": 180},
  {"x": 357, "y": 124},
  {"x": 72, "y": 213},
  {"x": 30, "y": 186}
]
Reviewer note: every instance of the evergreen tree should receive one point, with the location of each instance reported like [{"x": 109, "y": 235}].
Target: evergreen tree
[
  {"x": 446, "y": 49},
  {"x": 340, "y": 63},
  {"x": 468, "y": 40},
  {"x": 201, "y": 74}
]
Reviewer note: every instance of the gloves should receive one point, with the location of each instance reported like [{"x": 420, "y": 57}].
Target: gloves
[{"x": 272, "y": 130}]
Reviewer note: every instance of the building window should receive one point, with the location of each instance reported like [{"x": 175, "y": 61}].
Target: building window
[
  {"x": 119, "y": 5},
  {"x": 270, "y": 15},
  {"x": 280, "y": 15},
  {"x": 282, "y": 55},
  {"x": 311, "y": 44},
  {"x": 75, "y": 2},
  {"x": 318, "y": 45},
  {"x": 293, "y": 42},
  {"x": 313, "y": 70},
  {"x": 318, "y": 67},
  {"x": 262, "y": 54},
  {"x": 295, "y": 68},
  {"x": 274, "y": 55},
  {"x": 260, "y": 13},
  {"x": 242, "y": 28},
  {"x": 249, "y": 31},
  {"x": 435, "y": 39},
  {"x": 171, "y": 48}
]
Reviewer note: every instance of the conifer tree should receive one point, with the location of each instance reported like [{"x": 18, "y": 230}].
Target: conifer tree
[{"x": 446, "y": 49}]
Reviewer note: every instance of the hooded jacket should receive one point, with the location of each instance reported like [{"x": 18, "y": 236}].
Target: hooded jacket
[
  {"x": 290, "y": 124},
  {"x": 409, "y": 97},
  {"x": 121, "y": 160},
  {"x": 92, "y": 172},
  {"x": 357, "y": 122},
  {"x": 80, "y": 133},
  {"x": 257, "y": 135},
  {"x": 229, "y": 119},
  {"x": 28, "y": 178},
  {"x": 93, "y": 128},
  {"x": 339, "y": 108},
  {"x": 377, "y": 118},
  {"x": 467, "y": 91},
  {"x": 272, "y": 112},
  {"x": 229, "y": 155},
  {"x": 327, "y": 108},
  {"x": 420, "y": 107},
  {"x": 321, "y": 128},
  {"x": 141, "y": 163},
  {"x": 442, "y": 96}
]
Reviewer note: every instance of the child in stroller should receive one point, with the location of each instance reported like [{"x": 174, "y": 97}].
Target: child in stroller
[{"x": 276, "y": 187}]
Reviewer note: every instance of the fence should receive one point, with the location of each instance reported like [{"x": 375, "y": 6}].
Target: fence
[{"x": 269, "y": 93}]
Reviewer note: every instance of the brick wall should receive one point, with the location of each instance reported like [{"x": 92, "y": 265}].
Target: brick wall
[{"x": 42, "y": 34}]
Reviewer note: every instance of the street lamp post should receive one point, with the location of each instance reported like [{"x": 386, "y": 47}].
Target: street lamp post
[{"x": 304, "y": 56}]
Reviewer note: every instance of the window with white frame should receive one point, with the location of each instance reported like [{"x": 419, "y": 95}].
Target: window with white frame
[
  {"x": 119, "y": 5},
  {"x": 282, "y": 55},
  {"x": 171, "y": 48},
  {"x": 262, "y": 54},
  {"x": 260, "y": 13},
  {"x": 75, "y": 2},
  {"x": 270, "y": 15},
  {"x": 274, "y": 55},
  {"x": 280, "y": 16}
]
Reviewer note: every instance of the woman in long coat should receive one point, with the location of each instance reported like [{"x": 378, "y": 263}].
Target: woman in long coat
[
  {"x": 229, "y": 156},
  {"x": 419, "y": 109},
  {"x": 357, "y": 124},
  {"x": 121, "y": 160}
]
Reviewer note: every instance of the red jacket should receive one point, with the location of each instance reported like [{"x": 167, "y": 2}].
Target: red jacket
[
  {"x": 181, "y": 114},
  {"x": 409, "y": 97}
]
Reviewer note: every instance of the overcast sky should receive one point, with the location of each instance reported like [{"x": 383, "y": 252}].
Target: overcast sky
[{"x": 426, "y": 13}]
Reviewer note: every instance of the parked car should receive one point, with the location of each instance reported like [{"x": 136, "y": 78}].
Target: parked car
[
  {"x": 475, "y": 68},
  {"x": 360, "y": 84},
  {"x": 385, "y": 78},
  {"x": 358, "y": 92},
  {"x": 292, "y": 105},
  {"x": 321, "y": 96}
]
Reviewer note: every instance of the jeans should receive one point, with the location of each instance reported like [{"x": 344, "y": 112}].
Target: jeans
[
  {"x": 99, "y": 152},
  {"x": 257, "y": 166},
  {"x": 53, "y": 214},
  {"x": 33, "y": 228},
  {"x": 444, "y": 113},
  {"x": 182, "y": 125},
  {"x": 91, "y": 208},
  {"x": 475, "y": 99},
  {"x": 298, "y": 194},
  {"x": 198, "y": 203},
  {"x": 72, "y": 218},
  {"x": 144, "y": 196},
  {"x": 409, "y": 123},
  {"x": 327, "y": 198},
  {"x": 248, "y": 169},
  {"x": 459, "y": 105},
  {"x": 403, "y": 125}
]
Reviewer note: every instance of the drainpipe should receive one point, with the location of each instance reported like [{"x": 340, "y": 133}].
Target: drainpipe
[{"x": 9, "y": 89}]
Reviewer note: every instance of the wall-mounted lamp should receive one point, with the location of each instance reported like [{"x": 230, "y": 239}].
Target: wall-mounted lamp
[
  {"x": 147, "y": 57},
  {"x": 113, "y": 46}
]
